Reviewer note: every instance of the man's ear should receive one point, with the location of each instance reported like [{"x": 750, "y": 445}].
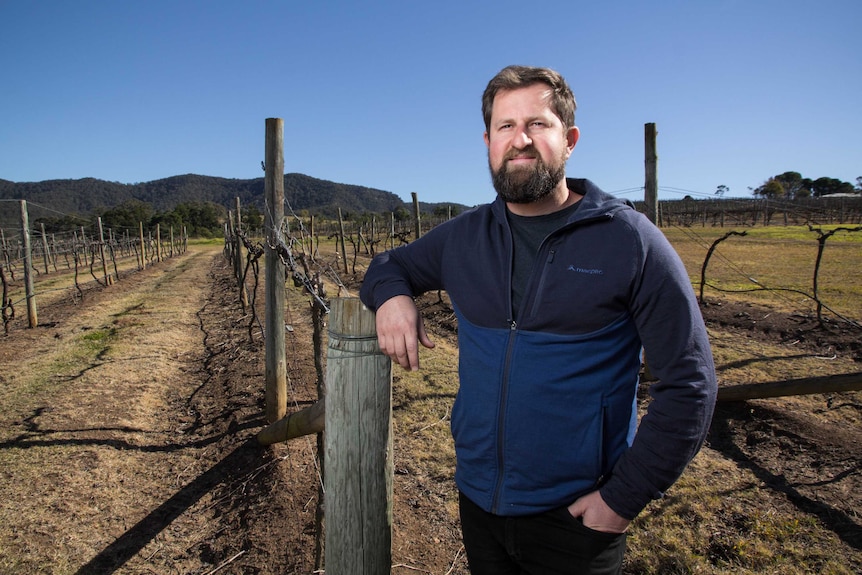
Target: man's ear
[
  {"x": 573, "y": 134},
  {"x": 487, "y": 139}
]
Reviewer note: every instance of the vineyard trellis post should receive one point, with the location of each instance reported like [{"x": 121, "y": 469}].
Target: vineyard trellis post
[
  {"x": 358, "y": 444},
  {"x": 143, "y": 247},
  {"x": 416, "y": 221},
  {"x": 276, "y": 365},
  {"x": 29, "y": 292},
  {"x": 45, "y": 252},
  {"x": 102, "y": 253},
  {"x": 341, "y": 236},
  {"x": 6, "y": 258},
  {"x": 237, "y": 250},
  {"x": 651, "y": 173},
  {"x": 158, "y": 242}
]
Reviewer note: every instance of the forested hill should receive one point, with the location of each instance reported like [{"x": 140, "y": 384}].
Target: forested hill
[{"x": 90, "y": 195}]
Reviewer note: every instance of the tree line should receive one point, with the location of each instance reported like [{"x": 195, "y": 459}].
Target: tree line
[{"x": 791, "y": 185}]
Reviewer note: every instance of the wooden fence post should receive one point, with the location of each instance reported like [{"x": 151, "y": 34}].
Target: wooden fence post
[
  {"x": 30, "y": 293},
  {"x": 143, "y": 247},
  {"x": 102, "y": 253},
  {"x": 358, "y": 445},
  {"x": 803, "y": 386},
  {"x": 416, "y": 221},
  {"x": 45, "y": 250},
  {"x": 651, "y": 173},
  {"x": 276, "y": 365},
  {"x": 158, "y": 242},
  {"x": 341, "y": 235},
  {"x": 239, "y": 268}
]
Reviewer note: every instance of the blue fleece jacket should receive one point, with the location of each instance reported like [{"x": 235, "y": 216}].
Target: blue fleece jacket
[{"x": 546, "y": 407}]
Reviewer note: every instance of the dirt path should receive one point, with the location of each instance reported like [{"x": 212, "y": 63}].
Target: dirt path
[{"x": 114, "y": 433}]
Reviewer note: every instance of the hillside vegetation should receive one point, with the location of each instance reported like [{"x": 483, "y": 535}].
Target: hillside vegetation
[{"x": 87, "y": 196}]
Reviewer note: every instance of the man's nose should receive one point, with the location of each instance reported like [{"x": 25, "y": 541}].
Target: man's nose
[{"x": 521, "y": 139}]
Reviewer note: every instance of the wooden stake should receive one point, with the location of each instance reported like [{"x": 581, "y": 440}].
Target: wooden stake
[
  {"x": 651, "y": 173},
  {"x": 276, "y": 366},
  {"x": 802, "y": 386},
  {"x": 32, "y": 316},
  {"x": 358, "y": 445}
]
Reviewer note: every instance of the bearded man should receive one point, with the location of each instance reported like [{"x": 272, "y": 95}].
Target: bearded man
[{"x": 557, "y": 287}]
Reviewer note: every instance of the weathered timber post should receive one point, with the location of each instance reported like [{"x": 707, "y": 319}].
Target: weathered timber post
[
  {"x": 650, "y": 195},
  {"x": 5, "y": 247},
  {"x": 651, "y": 173},
  {"x": 143, "y": 247},
  {"x": 358, "y": 444},
  {"x": 102, "y": 253},
  {"x": 311, "y": 419},
  {"x": 416, "y": 222},
  {"x": 803, "y": 386},
  {"x": 276, "y": 365},
  {"x": 158, "y": 242},
  {"x": 30, "y": 294},
  {"x": 341, "y": 235},
  {"x": 45, "y": 250},
  {"x": 238, "y": 263}
]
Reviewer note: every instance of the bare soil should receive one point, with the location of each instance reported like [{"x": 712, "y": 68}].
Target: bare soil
[{"x": 141, "y": 458}]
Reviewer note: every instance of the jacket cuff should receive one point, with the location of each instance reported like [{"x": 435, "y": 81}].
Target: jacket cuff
[{"x": 627, "y": 501}]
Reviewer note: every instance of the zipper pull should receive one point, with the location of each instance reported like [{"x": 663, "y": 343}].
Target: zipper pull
[{"x": 513, "y": 325}]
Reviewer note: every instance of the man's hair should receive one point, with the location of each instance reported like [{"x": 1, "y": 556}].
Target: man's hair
[{"x": 514, "y": 77}]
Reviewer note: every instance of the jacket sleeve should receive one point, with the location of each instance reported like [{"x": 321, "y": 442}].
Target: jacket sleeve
[
  {"x": 677, "y": 350},
  {"x": 409, "y": 270}
]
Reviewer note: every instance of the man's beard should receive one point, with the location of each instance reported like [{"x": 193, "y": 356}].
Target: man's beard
[{"x": 529, "y": 184}]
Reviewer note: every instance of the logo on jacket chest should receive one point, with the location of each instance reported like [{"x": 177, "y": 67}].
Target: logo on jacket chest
[{"x": 588, "y": 271}]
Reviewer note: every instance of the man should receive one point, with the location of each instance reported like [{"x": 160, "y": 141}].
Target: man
[{"x": 557, "y": 286}]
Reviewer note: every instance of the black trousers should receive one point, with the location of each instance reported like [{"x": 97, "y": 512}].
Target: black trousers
[{"x": 551, "y": 543}]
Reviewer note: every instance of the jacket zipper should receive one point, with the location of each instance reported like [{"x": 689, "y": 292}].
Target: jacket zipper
[
  {"x": 504, "y": 386},
  {"x": 501, "y": 417},
  {"x": 549, "y": 259}
]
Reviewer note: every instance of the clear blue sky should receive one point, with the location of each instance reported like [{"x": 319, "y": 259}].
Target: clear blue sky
[{"x": 387, "y": 94}]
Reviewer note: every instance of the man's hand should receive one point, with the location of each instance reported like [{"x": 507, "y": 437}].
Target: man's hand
[
  {"x": 399, "y": 327},
  {"x": 596, "y": 515}
]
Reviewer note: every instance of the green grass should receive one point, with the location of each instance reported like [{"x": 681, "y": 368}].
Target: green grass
[{"x": 777, "y": 258}]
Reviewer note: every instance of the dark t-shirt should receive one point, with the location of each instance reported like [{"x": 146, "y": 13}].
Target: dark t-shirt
[{"x": 528, "y": 233}]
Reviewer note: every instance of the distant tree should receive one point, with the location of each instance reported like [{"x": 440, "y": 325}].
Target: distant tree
[
  {"x": 859, "y": 184},
  {"x": 721, "y": 190},
  {"x": 202, "y": 219},
  {"x": 402, "y": 214},
  {"x": 795, "y": 186},
  {"x": 827, "y": 186},
  {"x": 128, "y": 215},
  {"x": 251, "y": 217},
  {"x": 771, "y": 189},
  {"x": 66, "y": 223},
  {"x": 441, "y": 211}
]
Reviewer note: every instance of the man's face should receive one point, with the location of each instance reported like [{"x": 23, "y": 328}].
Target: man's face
[{"x": 527, "y": 145}]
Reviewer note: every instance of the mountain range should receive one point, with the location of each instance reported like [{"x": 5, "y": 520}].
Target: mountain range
[{"x": 90, "y": 195}]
